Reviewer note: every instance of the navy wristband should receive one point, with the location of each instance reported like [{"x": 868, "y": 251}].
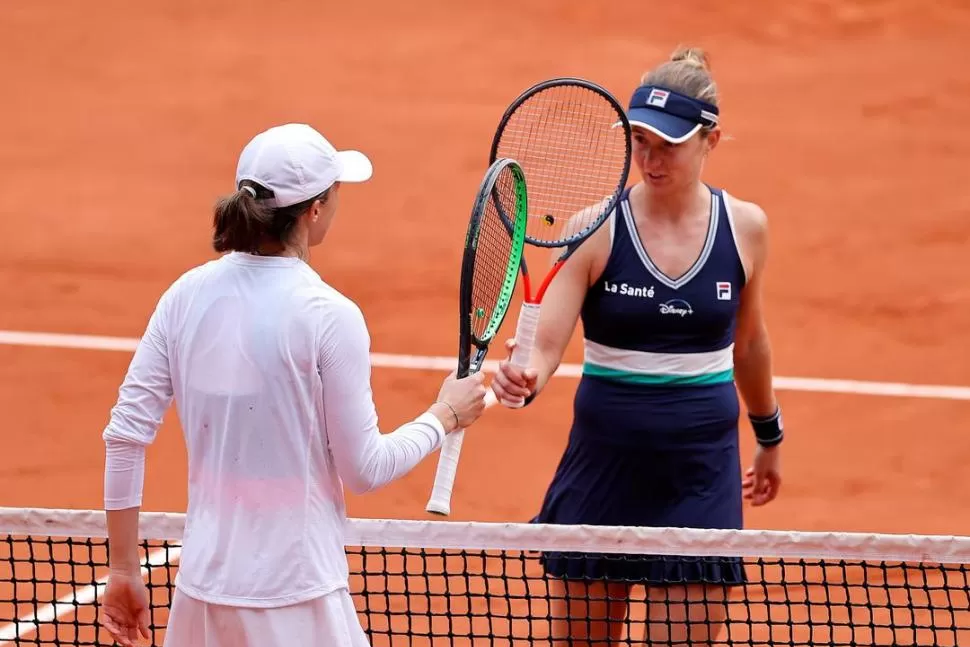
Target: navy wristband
[{"x": 769, "y": 430}]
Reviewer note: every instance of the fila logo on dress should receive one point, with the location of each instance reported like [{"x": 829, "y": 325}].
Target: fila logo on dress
[{"x": 723, "y": 290}]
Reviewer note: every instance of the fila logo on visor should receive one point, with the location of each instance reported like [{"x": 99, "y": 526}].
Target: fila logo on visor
[{"x": 658, "y": 98}]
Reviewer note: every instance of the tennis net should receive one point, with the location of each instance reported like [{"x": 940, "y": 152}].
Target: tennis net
[{"x": 467, "y": 583}]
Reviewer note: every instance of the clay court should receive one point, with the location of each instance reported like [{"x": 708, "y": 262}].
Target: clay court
[{"x": 847, "y": 121}]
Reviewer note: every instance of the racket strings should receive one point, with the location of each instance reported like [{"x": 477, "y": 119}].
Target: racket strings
[
  {"x": 574, "y": 157},
  {"x": 492, "y": 256}
]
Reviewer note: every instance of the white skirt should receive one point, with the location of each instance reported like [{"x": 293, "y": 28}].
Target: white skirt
[{"x": 327, "y": 620}]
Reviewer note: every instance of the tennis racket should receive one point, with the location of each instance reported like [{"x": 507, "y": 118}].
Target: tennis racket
[
  {"x": 489, "y": 271},
  {"x": 572, "y": 139}
]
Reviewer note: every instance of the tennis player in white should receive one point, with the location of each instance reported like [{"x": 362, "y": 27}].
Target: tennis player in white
[{"x": 269, "y": 368}]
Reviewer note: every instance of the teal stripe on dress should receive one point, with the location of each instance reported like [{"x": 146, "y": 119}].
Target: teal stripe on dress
[{"x": 720, "y": 377}]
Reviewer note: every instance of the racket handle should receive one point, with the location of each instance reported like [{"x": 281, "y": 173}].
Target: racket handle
[
  {"x": 444, "y": 477},
  {"x": 525, "y": 340}
]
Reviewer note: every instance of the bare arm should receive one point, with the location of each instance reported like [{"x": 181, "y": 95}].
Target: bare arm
[
  {"x": 752, "y": 346},
  {"x": 752, "y": 359},
  {"x": 125, "y": 603},
  {"x": 559, "y": 313},
  {"x": 560, "y": 310},
  {"x": 123, "y": 540}
]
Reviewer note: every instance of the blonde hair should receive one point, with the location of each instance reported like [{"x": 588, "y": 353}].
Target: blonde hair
[{"x": 688, "y": 72}]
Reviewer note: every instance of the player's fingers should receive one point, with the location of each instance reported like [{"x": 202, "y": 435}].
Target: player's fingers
[
  {"x": 774, "y": 485},
  {"x": 769, "y": 489},
  {"x": 502, "y": 393},
  {"x": 511, "y": 402},
  {"x": 118, "y": 635},
  {"x": 519, "y": 389},
  {"x": 748, "y": 479},
  {"x": 531, "y": 377},
  {"x": 512, "y": 398},
  {"x": 510, "y": 346},
  {"x": 110, "y": 628},
  {"x": 512, "y": 377},
  {"x": 758, "y": 487},
  {"x": 515, "y": 391},
  {"x": 110, "y": 623},
  {"x": 749, "y": 492}
]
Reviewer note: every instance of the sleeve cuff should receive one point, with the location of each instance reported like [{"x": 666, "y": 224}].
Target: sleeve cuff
[
  {"x": 431, "y": 420},
  {"x": 124, "y": 475}
]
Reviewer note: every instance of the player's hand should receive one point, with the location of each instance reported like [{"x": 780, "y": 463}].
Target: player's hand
[
  {"x": 124, "y": 608},
  {"x": 511, "y": 383},
  {"x": 763, "y": 479},
  {"x": 466, "y": 397}
]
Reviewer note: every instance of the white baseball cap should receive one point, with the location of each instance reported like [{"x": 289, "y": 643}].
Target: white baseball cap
[{"x": 297, "y": 163}]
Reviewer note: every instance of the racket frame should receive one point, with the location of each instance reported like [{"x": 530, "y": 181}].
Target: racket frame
[
  {"x": 471, "y": 362},
  {"x": 468, "y": 363},
  {"x": 528, "y": 320},
  {"x": 572, "y": 243},
  {"x": 622, "y": 122}
]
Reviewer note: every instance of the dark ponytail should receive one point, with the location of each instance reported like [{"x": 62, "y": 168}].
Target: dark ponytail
[{"x": 243, "y": 223}]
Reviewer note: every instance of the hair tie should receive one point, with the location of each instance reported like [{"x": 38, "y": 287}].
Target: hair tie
[{"x": 249, "y": 190}]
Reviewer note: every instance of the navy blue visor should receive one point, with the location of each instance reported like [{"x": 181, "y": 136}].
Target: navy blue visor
[{"x": 671, "y": 115}]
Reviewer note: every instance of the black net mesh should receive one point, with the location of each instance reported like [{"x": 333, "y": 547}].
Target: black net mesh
[{"x": 413, "y": 595}]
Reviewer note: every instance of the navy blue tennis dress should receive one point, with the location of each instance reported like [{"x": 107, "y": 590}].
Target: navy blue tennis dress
[{"x": 654, "y": 438}]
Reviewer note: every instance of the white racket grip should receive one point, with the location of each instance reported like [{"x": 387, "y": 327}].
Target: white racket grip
[
  {"x": 444, "y": 476},
  {"x": 525, "y": 339}
]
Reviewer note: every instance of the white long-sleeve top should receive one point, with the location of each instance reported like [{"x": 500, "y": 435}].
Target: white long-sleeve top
[{"x": 270, "y": 371}]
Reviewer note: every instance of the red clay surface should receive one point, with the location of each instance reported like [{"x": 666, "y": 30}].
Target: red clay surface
[{"x": 120, "y": 125}]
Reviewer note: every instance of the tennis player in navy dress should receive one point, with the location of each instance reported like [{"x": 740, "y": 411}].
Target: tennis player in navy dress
[{"x": 668, "y": 292}]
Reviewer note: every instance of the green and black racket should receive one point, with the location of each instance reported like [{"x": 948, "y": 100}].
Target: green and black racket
[{"x": 489, "y": 271}]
